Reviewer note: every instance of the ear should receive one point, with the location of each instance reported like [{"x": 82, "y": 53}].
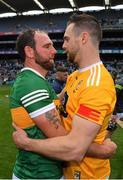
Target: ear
[
  {"x": 84, "y": 37},
  {"x": 29, "y": 52}
]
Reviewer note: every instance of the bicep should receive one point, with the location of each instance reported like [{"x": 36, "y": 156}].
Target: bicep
[
  {"x": 50, "y": 123},
  {"x": 84, "y": 132}
]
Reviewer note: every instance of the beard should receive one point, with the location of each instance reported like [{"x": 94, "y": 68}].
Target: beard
[
  {"x": 45, "y": 64},
  {"x": 72, "y": 54},
  {"x": 71, "y": 57}
]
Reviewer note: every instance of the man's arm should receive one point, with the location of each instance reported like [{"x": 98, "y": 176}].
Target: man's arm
[
  {"x": 50, "y": 123},
  {"x": 73, "y": 146},
  {"x": 104, "y": 151},
  {"x": 108, "y": 147}
]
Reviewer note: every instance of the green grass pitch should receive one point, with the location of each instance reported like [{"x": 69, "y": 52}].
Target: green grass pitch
[{"x": 8, "y": 149}]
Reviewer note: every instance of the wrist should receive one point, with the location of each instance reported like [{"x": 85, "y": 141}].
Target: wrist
[{"x": 27, "y": 144}]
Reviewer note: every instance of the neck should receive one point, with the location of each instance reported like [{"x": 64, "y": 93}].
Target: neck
[
  {"x": 36, "y": 67},
  {"x": 89, "y": 58}
]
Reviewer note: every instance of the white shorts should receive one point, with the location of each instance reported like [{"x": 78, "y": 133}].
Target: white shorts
[
  {"x": 107, "y": 178},
  {"x": 16, "y": 178}
]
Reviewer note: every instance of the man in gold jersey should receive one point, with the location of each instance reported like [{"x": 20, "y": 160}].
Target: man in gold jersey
[{"x": 89, "y": 99}]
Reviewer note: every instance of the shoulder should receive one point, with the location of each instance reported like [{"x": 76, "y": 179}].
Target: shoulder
[
  {"x": 28, "y": 83},
  {"x": 99, "y": 76}
]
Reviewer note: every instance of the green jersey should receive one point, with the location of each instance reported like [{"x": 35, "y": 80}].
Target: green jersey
[{"x": 32, "y": 96}]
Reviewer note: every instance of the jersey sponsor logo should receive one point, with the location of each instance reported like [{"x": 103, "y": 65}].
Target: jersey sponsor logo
[
  {"x": 88, "y": 112},
  {"x": 77, "y": 87},
  {"x": 64, "y": 102},
  {"x": 77, "y": 174}
]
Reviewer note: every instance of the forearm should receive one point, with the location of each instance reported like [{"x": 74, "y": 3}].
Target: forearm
[
  {"x": 73, "y": 146},
  {"x": 103, "y": 151},
  {"x": 97, "y": 151},
  {"x": 60, "y": 148}
]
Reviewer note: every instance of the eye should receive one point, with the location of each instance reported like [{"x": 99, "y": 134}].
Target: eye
[
  {"x": 66, "y": 39},
  {"x": 47, "y": 46}
]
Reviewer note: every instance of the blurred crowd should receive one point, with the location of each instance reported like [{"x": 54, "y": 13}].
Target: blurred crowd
[
  {"x": 9, "y": 69},
  {"x": 58, "y": 76}
]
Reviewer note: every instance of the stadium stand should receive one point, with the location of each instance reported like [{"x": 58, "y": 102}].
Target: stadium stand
[{"x": 111, "y": 47}]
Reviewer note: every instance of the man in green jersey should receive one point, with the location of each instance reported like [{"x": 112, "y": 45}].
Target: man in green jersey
[
  {"x": 33, "y": 108},
  {"x": 32, "y": 105}
]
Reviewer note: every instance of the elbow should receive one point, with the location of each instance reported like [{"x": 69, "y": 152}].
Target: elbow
[
  {"x": 77, "y": 155},
  {"x": 74, "y": 153}
]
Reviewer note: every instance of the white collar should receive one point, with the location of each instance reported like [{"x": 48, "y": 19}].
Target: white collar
[
  {"x": 30, "y": 69},
  {"x": 89, "y": 67}
]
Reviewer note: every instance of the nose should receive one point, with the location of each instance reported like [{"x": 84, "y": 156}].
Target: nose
[
  {"x": 64, "y": 46},
  {"x": 54, "y": 51}
]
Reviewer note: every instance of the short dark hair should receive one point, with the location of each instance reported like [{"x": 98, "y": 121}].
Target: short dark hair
[
  {"x": 86, "y": 22},
  {"x": 26, "y": 38}
]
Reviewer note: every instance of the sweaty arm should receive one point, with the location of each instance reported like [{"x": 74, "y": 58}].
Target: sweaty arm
[{"x": 72, "y": 146}]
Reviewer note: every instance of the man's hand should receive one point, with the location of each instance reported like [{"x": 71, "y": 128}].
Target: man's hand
[
  {"x": 110, "y": 147},
  {"x": 20, "y": 137},
  {"x": 104, "y": 151}
]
